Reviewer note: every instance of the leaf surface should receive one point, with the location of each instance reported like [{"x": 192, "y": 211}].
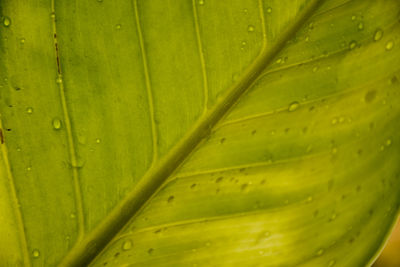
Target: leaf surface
[{"x": 254, "y": 133}]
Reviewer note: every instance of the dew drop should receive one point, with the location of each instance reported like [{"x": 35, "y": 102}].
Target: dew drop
[
  {"x": 29, "y": 168},
  {"x": 98, "y": 140},
  {"x": 378, "y": 35},
  {"x": 333, "y": 216},
  {"x": 201, "y": 2},
  {"x": 315, "y": 69},
  {"x": 352, "y": 45},
  {"x": 331, "y": 263},
  {"x": 361, "y": 26},
  {"x": 29, "y": 110},
  {"x": 389, "y": 45},
  {"x": 370, "y": 96},
  {"x": 353, "y": 17},
  {"x": 22, "y": 41},
  {"x": 36, "y": 253},
  {"x": 250, "y": 28},
  {"x": 6, "y": 21},
  {"x": 388, "y": 142},
  {"x": 311, "y": 25},
  {"x": 309, "y": 199},
  {"x": 127, "y": 245},
  {"x": 100, "y": 1},
  {"x": 118, "y": 26},
  {"x": 294, "y": 106},
  {"x": 72, "y": 215},
  {"x": 279, "y": 61},
  {"x": 56, "y": 124},
  {"x": 334, "y": 121},
  {"x": 269, "y": 9},
  {"x": 52, "y": 15},
  {"x": 59, "y": 80},
  {"x": 320, "y": 252},
  {"x": 245, "y": 10}
]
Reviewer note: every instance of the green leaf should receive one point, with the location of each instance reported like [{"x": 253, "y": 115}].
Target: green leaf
[{"x": 198, "y": 133}]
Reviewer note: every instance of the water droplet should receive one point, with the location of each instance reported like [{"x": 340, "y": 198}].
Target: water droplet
[
  {"x": 29, "y": 110},
  {"x": 127, "y": 245},
  {"x": 52, "y": 15},
  {"x": 378, "y": 35},
  {"x": 360, "y": 26},
  {"x": 389, "y": 45},
  {"x": 98, "y": 140},
  {"x": 72, "y": 215},
  {"x": 315, "y": 69},
  {"x": 6, "y": 21},
  {"x": 170, "y": 199},
  {"x": 333, "y": 216},
  {"x": 388, "y": 142},
  {"x": 22, "y": 41},
  {"x": 320, "y": 252},
  {"x": 245, "y": 10},
  {"x": 99, "y": 1},
  {"x": 309, "y": 199},
  {"x": 370, "y": 96},
  {"x": 331, "y": 263},
  {"x": 250, "y": 28},
  {"x": 36, "y": 253},
  {"x": 269, "y": 9},
  {"x": 279, "y": 61},
  {"x": 334, "y": 121},
  {"x": 56, "y": 124},
  {"x": 201, "y": 2},
  {"x": 311, "y": 25},
  {"x": 59, "y": 80},
  {"x": 293, "y": 106},
  {"x": 244, "y": 43},
  {"x": 29, "y": 168},
  {"x": 150, "y": 251},
  {"x": 352, "y": 45},
  {"x": 118, "y": 26},
  {"x": 353, "y": 17}
]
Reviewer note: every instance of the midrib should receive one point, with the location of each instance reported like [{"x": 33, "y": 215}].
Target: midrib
[{"x": 85, "y": 251}]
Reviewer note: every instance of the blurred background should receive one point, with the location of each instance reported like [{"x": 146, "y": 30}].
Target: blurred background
[{"x": 390, "y": 256}]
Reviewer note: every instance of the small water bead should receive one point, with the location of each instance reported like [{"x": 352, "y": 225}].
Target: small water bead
[
  {"x": 294, "y": 106},
  {"x": 388, "y": 142},
  {"x": 127, "y": 245},
  {"x": 59, "y": 80},
  {"x": 72, "y": 215},
  {"x": 333, "y": 216},
  {"x": 201, "y": 2},
  {"x": 352, "y": 45},
  {"x": 29, "y": 110},
  {"x": 309, "y": 199},
  {"x": 389, "y": 45},
  {"x": 98, "y": 140},
  {"x": 353, "y": 17},
  {"x": 118, "y": 26},
  {"x": 36, "y": 253},
  {"x": 56, "y": 124},
  {"x": 250, "y": 28},
  {"x": 6, "y": 21},
  {"x": 245, "y": 10},
  {"x": 361, "y": 26},
  {"x": 315, "y": 69},
  {"x": 378, "y": 35},
  {"x": 22, "y": 41},
  {"x": 269, "y": 9},
  {"x": 331, "y": 263},
  {"x": 29, "y": 168},
  {"x": 320, "y": 252}
]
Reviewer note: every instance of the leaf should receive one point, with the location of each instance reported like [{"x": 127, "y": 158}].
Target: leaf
[{"x": 198, "y": 133}]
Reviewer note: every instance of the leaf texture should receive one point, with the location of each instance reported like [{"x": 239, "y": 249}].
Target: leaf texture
[{"x": 198, "y": 133}]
